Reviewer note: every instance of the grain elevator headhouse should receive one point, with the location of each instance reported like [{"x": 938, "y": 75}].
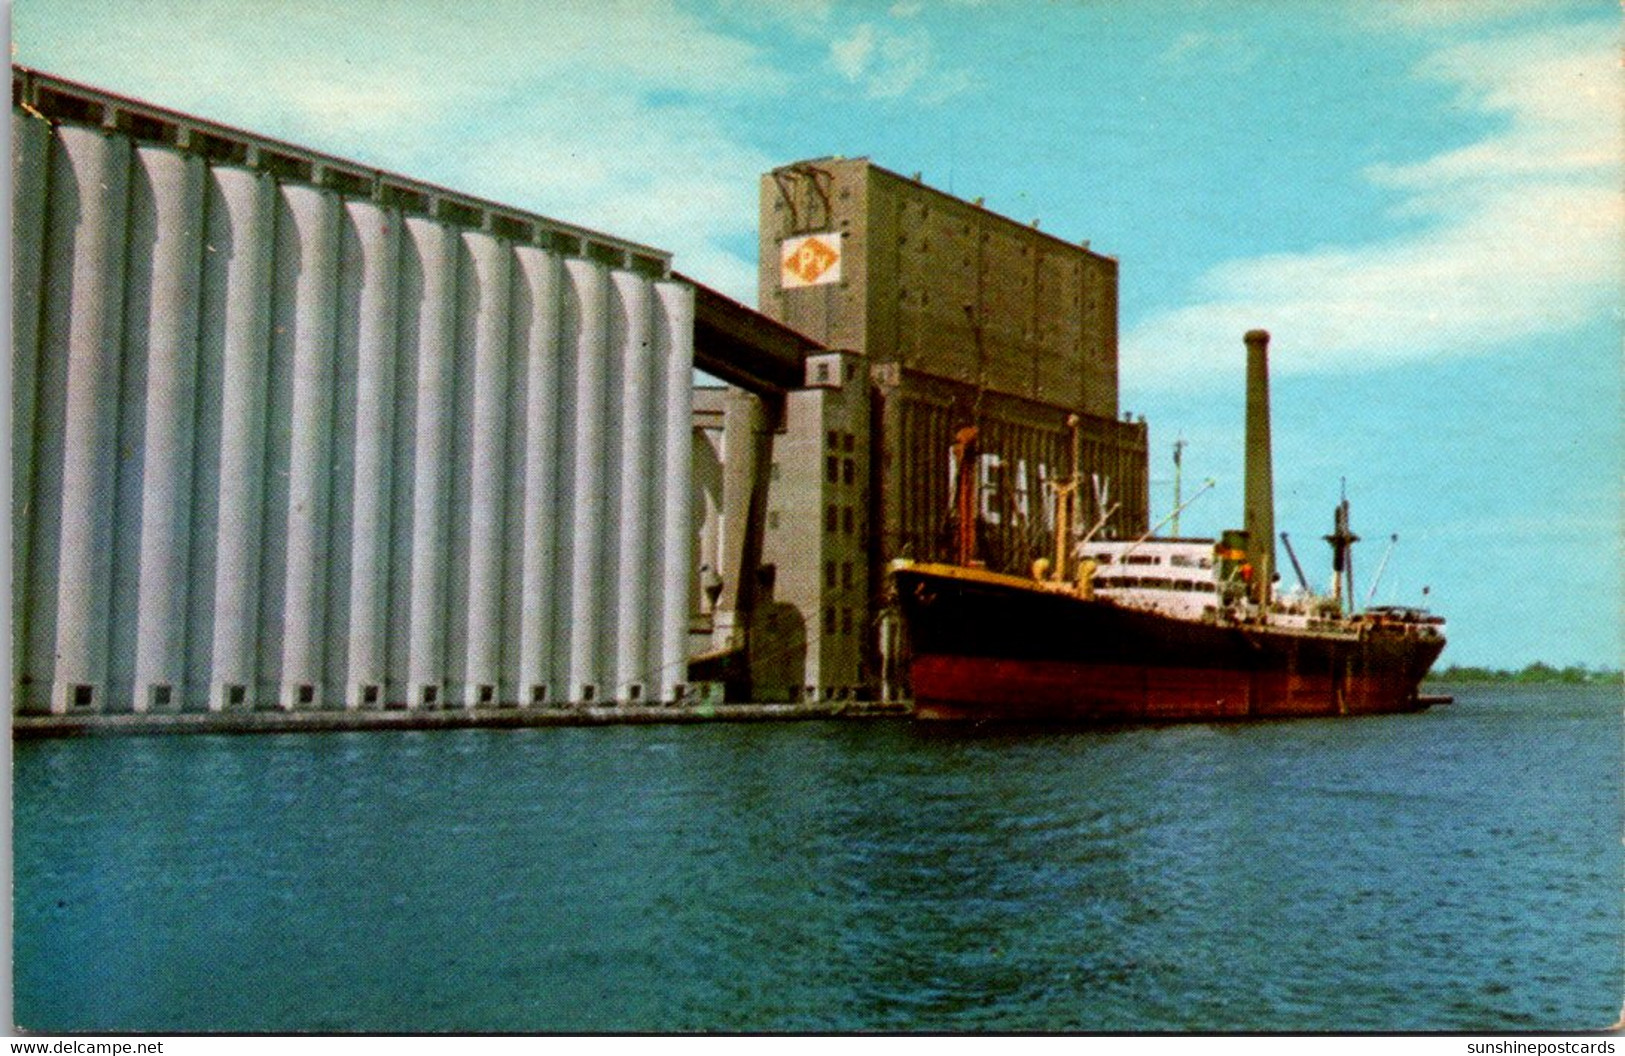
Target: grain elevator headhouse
[{"x": 941, "y": 316}]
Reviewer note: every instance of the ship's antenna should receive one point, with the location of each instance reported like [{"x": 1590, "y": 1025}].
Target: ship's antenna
[
  {"x": 1382, "y": 566},
  {"x": 1179, "y": 450},
  {"x": 1302, "y": 580},
  {"x": 1210, "y": 482}
]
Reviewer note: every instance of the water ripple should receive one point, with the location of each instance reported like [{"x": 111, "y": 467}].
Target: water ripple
[{"x": 1455, "y": 870}]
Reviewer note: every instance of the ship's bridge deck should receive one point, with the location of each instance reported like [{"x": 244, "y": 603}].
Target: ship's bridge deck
[
  {"x": 1166, "y": 553},
  {"x": 1174, "y": 576}
]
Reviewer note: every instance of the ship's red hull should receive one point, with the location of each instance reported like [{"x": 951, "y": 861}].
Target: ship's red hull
[
  {"x": 980, "y": 687},
  {"x": 995, "y": 648}
]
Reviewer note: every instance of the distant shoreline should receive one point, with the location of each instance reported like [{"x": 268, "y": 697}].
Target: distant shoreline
[{"x": 1536, "y": 674}]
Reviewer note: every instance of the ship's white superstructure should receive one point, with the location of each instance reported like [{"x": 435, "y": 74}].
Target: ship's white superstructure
[
  {"x": 1177, "y": 577},
  {"x": 1182, "y": 578}
]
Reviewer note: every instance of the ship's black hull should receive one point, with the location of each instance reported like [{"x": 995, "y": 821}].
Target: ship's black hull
[{"x": 994, "y": 647}]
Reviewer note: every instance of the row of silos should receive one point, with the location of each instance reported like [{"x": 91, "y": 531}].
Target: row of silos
[{"x": 281, "y": 446}]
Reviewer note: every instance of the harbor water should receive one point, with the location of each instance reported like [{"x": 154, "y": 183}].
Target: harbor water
[{"x": 1455, "y": 870}]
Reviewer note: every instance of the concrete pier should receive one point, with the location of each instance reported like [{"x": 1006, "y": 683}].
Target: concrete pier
[
  {"x": 27, "y": 727},
  {"x": 95, "y": 173},
  {"x": 376, "y": 237},
  {"x": 315, "y": 218},
  {"x": 492, "y": 273},
  {"x": 241, "y": 226},
  {"x": 589, "y": 283},
  {"x": 538, "y": 293},
  {"x": 436, "y": 330},
  {"x": 170, "y": 204}
]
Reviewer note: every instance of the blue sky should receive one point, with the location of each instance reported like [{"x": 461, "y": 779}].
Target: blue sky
[{"x": 1419, "y": 199}]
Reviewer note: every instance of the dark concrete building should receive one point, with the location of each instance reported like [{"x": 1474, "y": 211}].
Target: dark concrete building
[
  {"x": 936, "y": 284},
  {"x": 941, "y": 315}
]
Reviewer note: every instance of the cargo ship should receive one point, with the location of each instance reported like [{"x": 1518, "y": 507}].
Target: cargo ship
[{"x": 1156, "y": 629}]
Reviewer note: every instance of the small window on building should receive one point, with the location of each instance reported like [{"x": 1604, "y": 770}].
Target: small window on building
[
  {"x": 829, "y": 620},
  {"x": 832, "y": 469},
  {"x": 849, "y": 472},
  {"x": 846, "y": 574},
  {"x": 846, "y": 621},
  {"x": 849, "y": 442},
  {"x": 846, "y": 520},
  {"x": 829, "y": 574},
  {"x": 834, "y": 440},
  {"x": 830, "y": 519}
]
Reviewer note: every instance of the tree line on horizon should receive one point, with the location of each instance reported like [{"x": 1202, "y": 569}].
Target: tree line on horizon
[{"x": 1537, "y": 672}]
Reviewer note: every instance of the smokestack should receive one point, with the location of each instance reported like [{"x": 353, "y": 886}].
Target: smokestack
[{"x": 1259, "y": 516}]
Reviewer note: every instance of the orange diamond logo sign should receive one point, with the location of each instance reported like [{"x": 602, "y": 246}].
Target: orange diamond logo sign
[{"x": 809, "y": 260}]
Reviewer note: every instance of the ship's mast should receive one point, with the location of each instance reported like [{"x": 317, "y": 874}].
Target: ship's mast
[
  {"x": 1342, "y": 541},
  {"x": 965, "y": 451},
  {"x": 1065, "y": 501},
  {"x": 1179, "y": 451}
]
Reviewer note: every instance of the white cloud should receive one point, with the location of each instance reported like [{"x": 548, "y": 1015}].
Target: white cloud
[
  {"x": 889, "y": 62},
  {"x": 904, "y": 61},
  {"x": 851, "y": 57},
  {"x": 1444, "y": 13},
  {"x": 598, "y": 113},
  {"x": 803, "y": 17},
  {"x": 1521, "y": 238},
  {"x": 1229, "y": 51},
  {"x": 337, "y": 68},
  {"x": 668, "y": 176}
]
